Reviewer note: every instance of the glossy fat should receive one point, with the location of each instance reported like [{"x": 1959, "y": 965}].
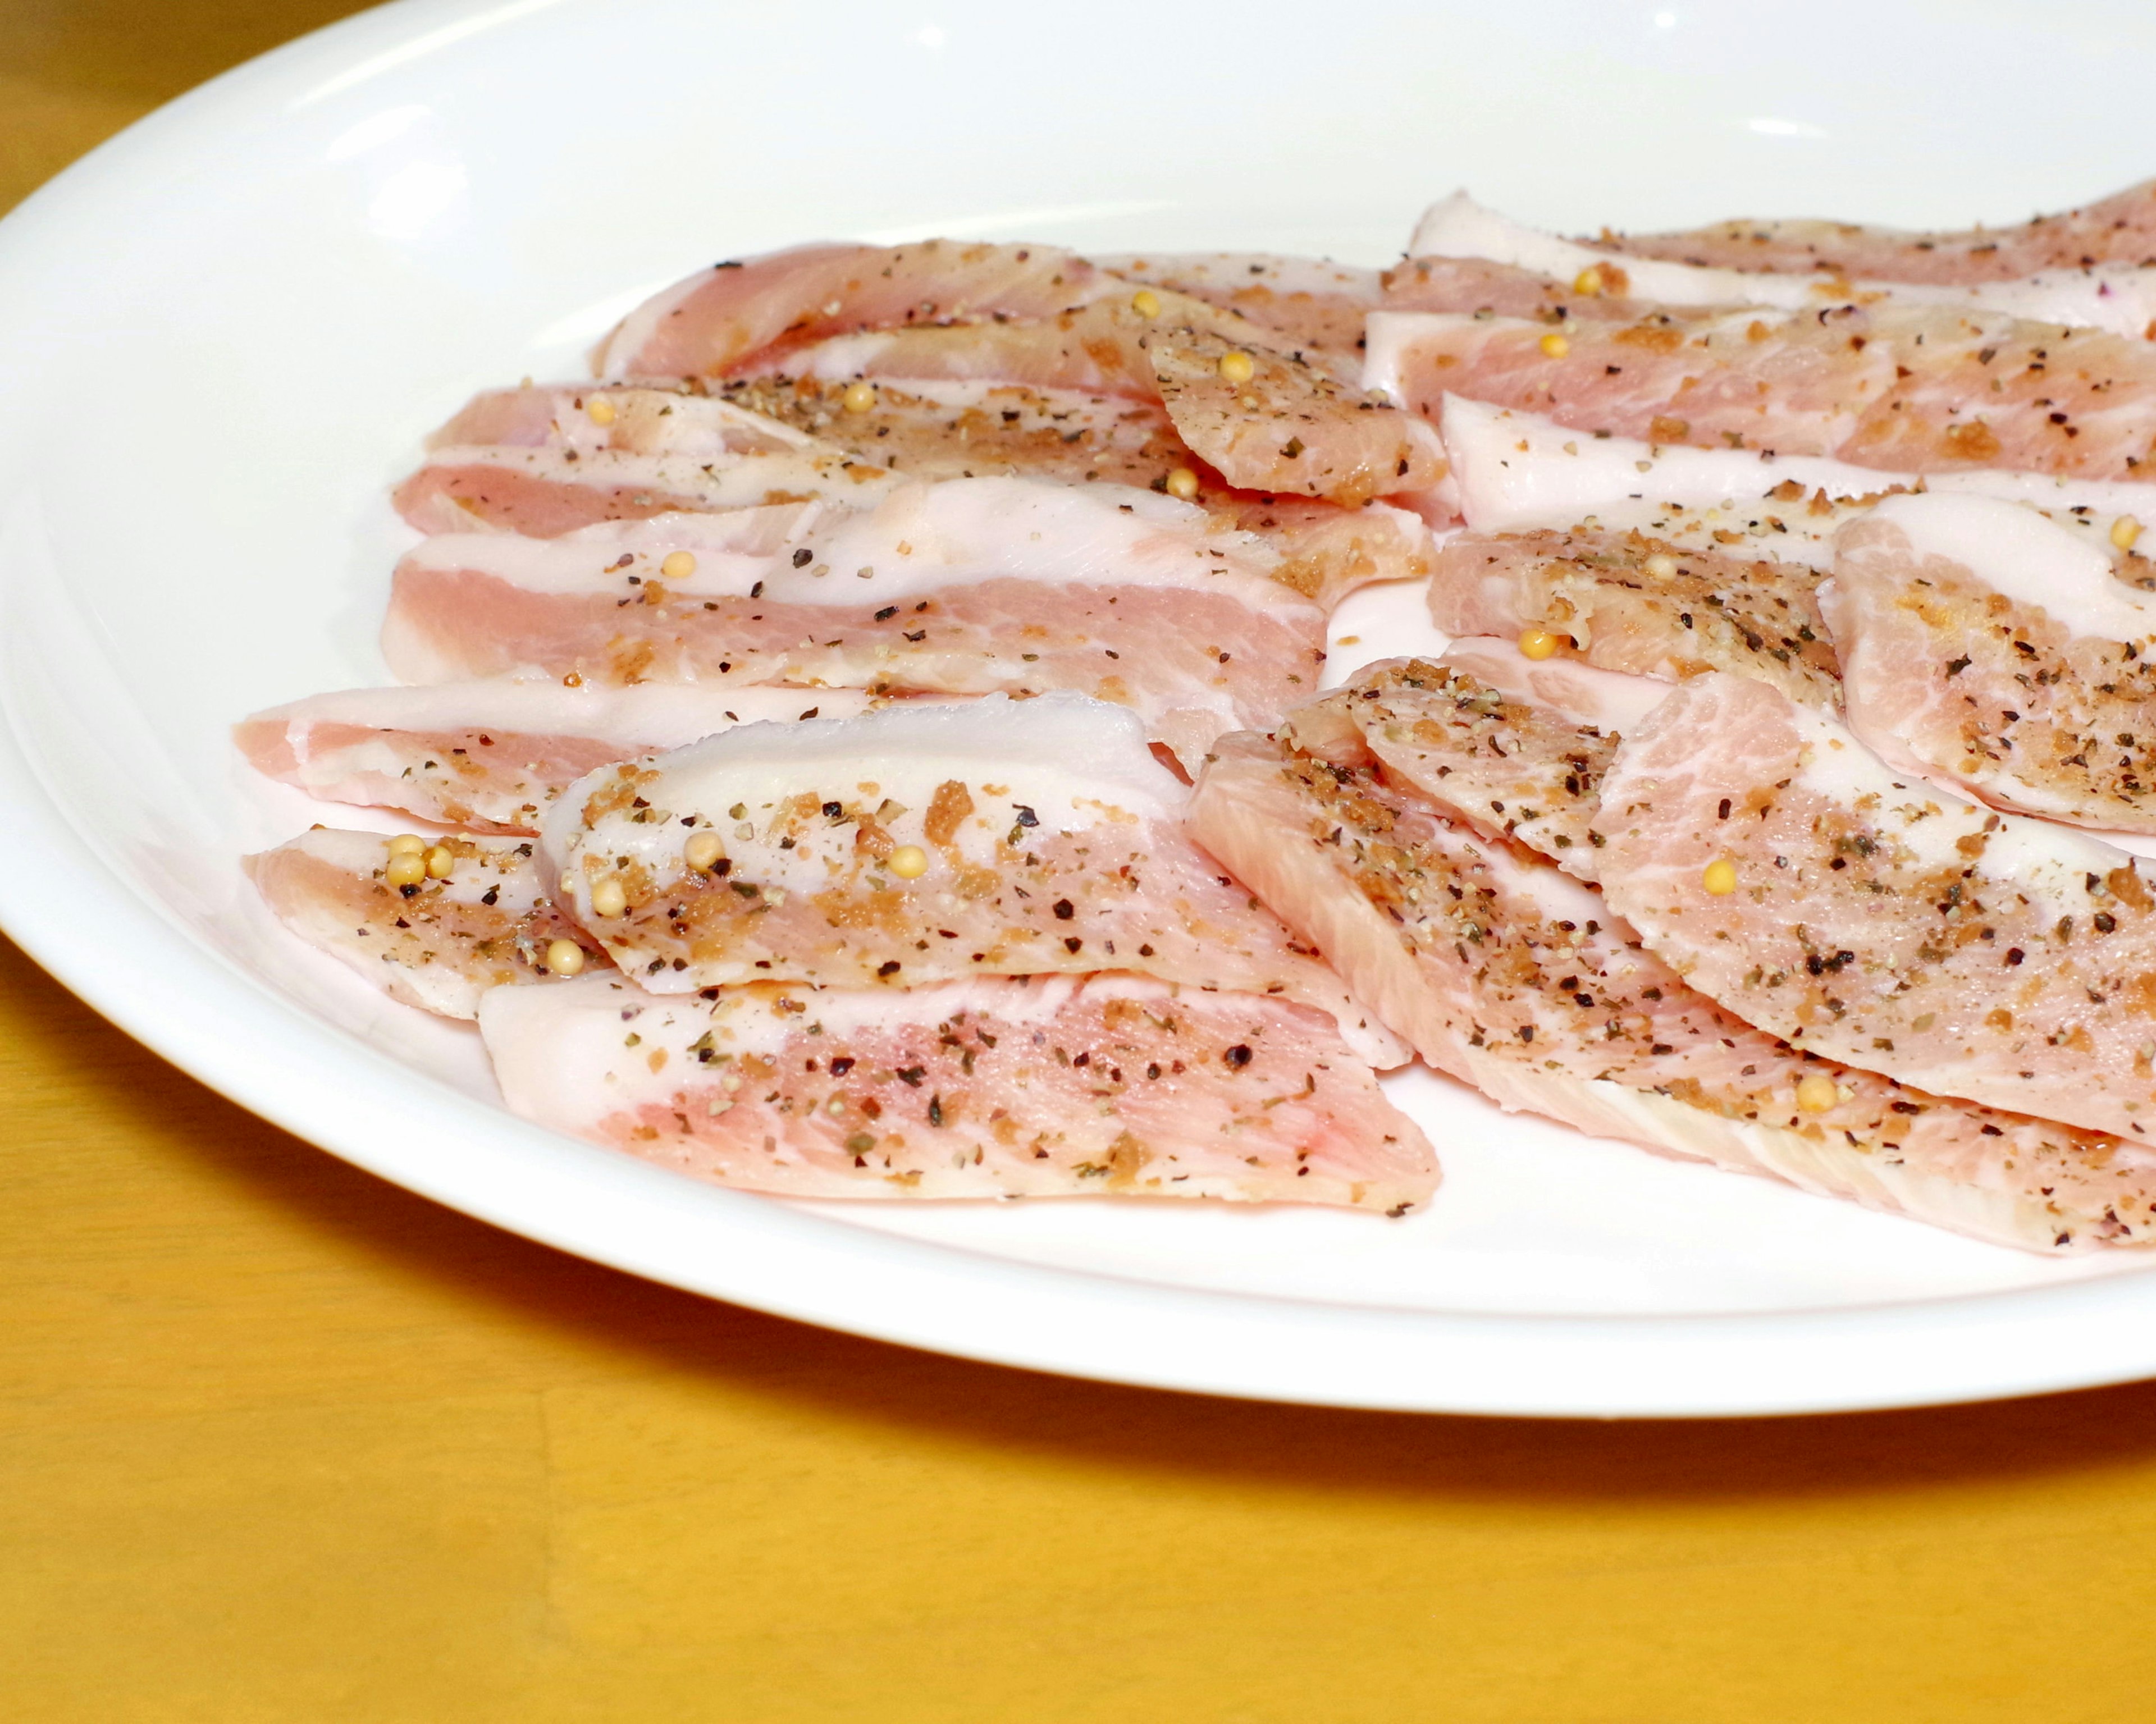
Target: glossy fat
[{"x": 1048, "y": 1087}]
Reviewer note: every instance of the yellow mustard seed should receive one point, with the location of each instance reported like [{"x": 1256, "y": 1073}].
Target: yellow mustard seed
[
  {"x": 608, "y": 898},
  {"x": 1588, "y": 282},
  {"x": 860, "y": 397},
  {"x": 1237, "y": 367},
  {"x": 1538, "y": 644},
  {"x": 703, "y": 851},
  {"x": 2124, "y": 532},
  {"x": 408, "y": 844},
  {"x": 909, "y": 861},
  {"x": 1146, "y": 302},
  {"x": 408, "y": 870},
  {"x": 1662, "y": 567},
  {"x": 1181, "y": 483},
  {"x": 565, "y": 958},
  {"x": 599, "y": 411},
  {"x": 1555, "y": 346},
  {"x": 1816, "y": 1092},
  {"x": 441, "y": 862},
  {"x": 1720, "y": 877},
  {"x": 678, "y": 565}
]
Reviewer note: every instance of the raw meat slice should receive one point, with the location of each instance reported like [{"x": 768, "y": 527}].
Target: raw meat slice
[
  {"x": 438, "y": 945},
  {"x": 546, "y": 460},
  {"x": 1513, "y": 469},
  {"x": 1268, "y": 421},
  {"x": 1512, "y": 746},
  {"x": 2120, "y": 300},
  {"x": 932, "y": 431},
  {"x": 1318, "y": 306},
  {"x": 966, "y": 587},
  {"x": 2118, "y": 229},
  {"x": 1505, "y": 974},
  {"x": 720, "y": 321},
  {"x": 913, "y": 846},
  {"x": 491, "y": 756},
  {"x": 1045, "y": 1086},
  {"x": 1633, "y": 601},
  {"x": 2002, "y": 652},
  {"x": 1875, "y": 919},
  {"x": 1917, "y": 388}
]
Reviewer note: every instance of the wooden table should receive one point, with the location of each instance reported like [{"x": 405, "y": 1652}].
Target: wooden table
[{"x": 277, "y": 1441}]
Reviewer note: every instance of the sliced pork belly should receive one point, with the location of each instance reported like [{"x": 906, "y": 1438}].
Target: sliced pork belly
[
  {"x": 1311, "y": 304},
  {"x": 1868, "y": 916},
  {"x": 1510, "y": 976},
  {"x": 2001, "y": 651},
  {"x": 547, "y": 459},
  {"x": 919, "y": 845},
  {"x": 1457, "y": 229},
  {"x": 1632, "y": 601},
  {"x": 438, "y": 943},
  {"x": 718, "y": 321},
  {"x": 2120, "y": 229},
  {"x": 1044, "y": 1086},
  {"x": 968, "y": 587},
  {"x": 491, "y": 756},
  {"x": 1269, "y": 422},
  {"x": 1919, "y": 388}
]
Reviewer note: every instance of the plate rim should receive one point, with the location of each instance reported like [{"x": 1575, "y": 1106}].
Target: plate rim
[{"x": 206, "y": 1014}]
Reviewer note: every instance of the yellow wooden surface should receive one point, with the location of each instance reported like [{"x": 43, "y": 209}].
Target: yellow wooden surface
[{"x": 280, "y": 1442}]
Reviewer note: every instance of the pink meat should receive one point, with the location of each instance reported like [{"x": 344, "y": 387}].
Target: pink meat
[
  {"x": 1047, "y": 839},
  {"x": 2118, "y": 229},
  {"x": 2035, "y": 695},
  {"x": 1309, "y": 304},
  {"x": 719, "y": 321},
  {"x": 1918, "y": 389},
  {"x": 1478, "y": 285},
  {"x": 438, "y": 945},
  {"x": 1514, "y": 979},
  {"x": 1632, "y": 601},
  {"x": 1287, "y": 426},
  {"x": 1880, "y": 922},
  {"x": 491, "y": 756},
  {"x": 1049, "y": 1086}
]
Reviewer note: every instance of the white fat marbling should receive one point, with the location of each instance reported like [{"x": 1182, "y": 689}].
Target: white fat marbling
[{"x": 640, "y": 715}]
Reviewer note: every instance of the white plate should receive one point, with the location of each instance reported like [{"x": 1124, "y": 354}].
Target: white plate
[{"x": 222, "y": 336}]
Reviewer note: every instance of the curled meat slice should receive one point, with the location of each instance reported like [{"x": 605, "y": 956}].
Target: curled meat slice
[
  {"x": 2120, "y": 229},
  {"x": 1111, "y": 1086},
  {"x": 1918, "y": 388},
  {"x": 965, "y": 587},
  {"x": 918, "y": 845},
  {"x": 1266, "y": 421},
  {"x": 1504, "y": 973},
  {"x": 1787, "y": 872},
  {"x": 491, "y": 756},
  {"x": 720, "y": 321},
  {"x": 437, "y": 943},
  {"x": 2004, "y": 652}
]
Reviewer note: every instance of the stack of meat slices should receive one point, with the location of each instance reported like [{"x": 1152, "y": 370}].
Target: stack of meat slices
[
  {"x": 1822, "y": 626},
  {"x": 811, "y": 702}
]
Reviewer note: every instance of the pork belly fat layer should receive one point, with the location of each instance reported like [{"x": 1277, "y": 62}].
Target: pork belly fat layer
[{"x": 1047, "y": 1086}]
